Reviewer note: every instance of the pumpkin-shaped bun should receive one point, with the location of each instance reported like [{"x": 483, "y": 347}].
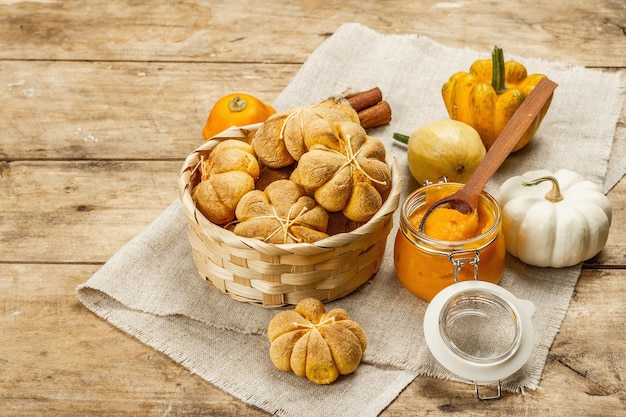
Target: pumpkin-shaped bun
[
  {"x": 284, "y": 137},
  {"x": 348, "y": 174},
  {"x": 316, "y": 344},
  {"x": 227, "y": 174},
  {"x": 281, "y": 213}
]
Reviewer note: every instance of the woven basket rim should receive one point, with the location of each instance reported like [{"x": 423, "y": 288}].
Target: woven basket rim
[{"x": 338, "y": 240}]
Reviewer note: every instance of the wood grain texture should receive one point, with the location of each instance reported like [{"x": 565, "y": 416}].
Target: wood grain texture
[
  {"x": 79, "y": 211},
  {"x": 101, "y": 101},
  {"x": 87, "y": 366},
  {"x": 84, "y": 211},
  {"x": 584, "y": 32},
  {"x": 105, "y": 110},
  {"x": 63, "y": 360}
]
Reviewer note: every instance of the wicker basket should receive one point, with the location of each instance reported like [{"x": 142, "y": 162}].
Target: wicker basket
[{"x": 254, "y": 271}]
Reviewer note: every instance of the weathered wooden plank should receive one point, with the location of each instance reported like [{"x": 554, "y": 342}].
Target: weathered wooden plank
[
  {"x": 585, "y": 32},
  {"x": 81, "y": 211},
  {"x": 64, "y": 360},
  {"x": 79, "y": 110},
  {"x": 84, "y": 211},
  {"x": 595, "y": 313},
  {"x": 615, "y": 251},
  {"x": 87, "y": 110},
  {"x": 110, "y": 373}
]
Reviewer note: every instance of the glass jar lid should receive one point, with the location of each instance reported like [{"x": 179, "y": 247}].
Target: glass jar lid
[{"x": 479, "y": 331}]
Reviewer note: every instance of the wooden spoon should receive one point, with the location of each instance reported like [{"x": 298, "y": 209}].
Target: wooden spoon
[{"x": 465, "y": 200}]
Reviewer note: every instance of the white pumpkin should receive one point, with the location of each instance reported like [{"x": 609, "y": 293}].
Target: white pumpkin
[{"x": 553, "y": 219}]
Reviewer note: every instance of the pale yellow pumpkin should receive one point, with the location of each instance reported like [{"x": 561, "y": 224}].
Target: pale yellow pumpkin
[{"x": 444, "y": 149}]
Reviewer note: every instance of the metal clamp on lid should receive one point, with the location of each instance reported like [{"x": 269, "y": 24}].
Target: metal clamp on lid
[
  {"x": 480, "y": 332},
  {"x": 458, "y": 257}
]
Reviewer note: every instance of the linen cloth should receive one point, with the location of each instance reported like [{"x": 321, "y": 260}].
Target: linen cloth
[{"x": 151, "y": 289}]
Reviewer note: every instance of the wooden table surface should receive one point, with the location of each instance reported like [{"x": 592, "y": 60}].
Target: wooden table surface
[{"x": 101, "y": 101}]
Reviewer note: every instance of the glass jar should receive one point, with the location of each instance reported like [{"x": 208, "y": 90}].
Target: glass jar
[
  {"x": 480, "y": 332},
  {"x": 425, "y": 265}
]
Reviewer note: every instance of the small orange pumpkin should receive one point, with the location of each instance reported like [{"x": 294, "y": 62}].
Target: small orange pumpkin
[{"x": 235, "y": 109}]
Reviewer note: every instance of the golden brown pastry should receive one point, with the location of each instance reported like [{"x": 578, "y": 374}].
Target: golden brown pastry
[
  {"x": 282, "y": 213},
  {"x": 227, "y": 174},
  {"x": 231, "y": 155},
  {"x": 314, "y": 344},
  {"x": 217, "y": 196},
  {"x": 352, "y": 177},
  {"x": 284, "y": 137}
]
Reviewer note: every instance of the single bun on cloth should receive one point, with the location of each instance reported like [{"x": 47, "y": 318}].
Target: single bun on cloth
[{"x": 315, "y": 344}]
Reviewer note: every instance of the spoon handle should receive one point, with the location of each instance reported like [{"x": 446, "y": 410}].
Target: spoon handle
[{"x": 519, "y": 123}]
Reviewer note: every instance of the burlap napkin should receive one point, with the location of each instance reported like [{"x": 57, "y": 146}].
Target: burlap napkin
[{"x": 151, "y": 290}]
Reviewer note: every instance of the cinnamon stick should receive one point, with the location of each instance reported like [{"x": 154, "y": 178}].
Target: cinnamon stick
[
  {"x": 365, "y": 99},
  {"x": 376, "y": 115}
]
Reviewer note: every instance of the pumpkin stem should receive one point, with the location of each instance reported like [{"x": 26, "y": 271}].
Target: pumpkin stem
[
  {"x": 554, "y": 194},
  {"x": 400, "y": 137},
  {"x": 498, "y": 73},
  {"x": 237, "y": 104}
]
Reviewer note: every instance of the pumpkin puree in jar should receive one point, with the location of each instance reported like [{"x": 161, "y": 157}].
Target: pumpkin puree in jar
[
  {"x": 448, "y": 224},
  {"x": 424, "y": 268}
]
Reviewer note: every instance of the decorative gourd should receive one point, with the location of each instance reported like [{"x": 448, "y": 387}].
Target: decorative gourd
[
  {"x": 316, "y": 344},
  {"x": 554, "y": 220},
  {"x": 488, "y": 95},
  {"x": 235, "y": 109},
  {"x": 443, "y": 149}
]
